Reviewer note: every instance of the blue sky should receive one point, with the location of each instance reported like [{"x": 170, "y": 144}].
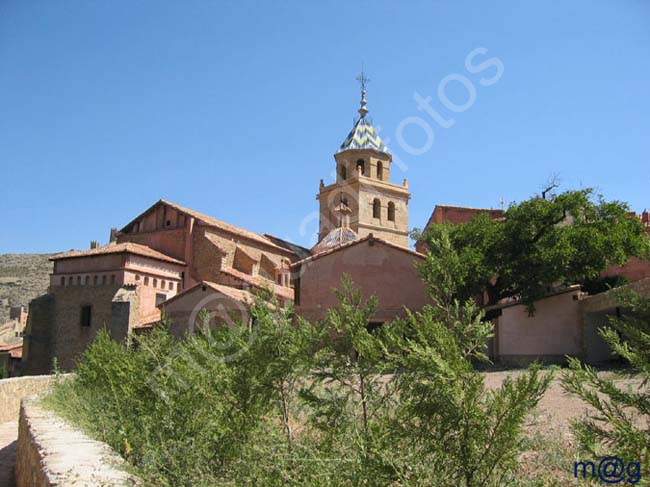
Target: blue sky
[{"x": 236, "y": 108}]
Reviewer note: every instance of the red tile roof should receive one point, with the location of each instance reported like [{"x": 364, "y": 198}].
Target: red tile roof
[
  {"x": 15, "y": 350},
  {"x": 460, "y": 214},
  {"x": 126, "y": 247},
  {"x": 367, "y": 238},
  {"x": 260, "y": 282},
  {"x": 300, "y": 251},
  {"x": 213, "y": 222},
  {"x": 240, "y": 295}
]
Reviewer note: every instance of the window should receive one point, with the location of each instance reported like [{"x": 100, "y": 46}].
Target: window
[
  {"x": 87, "y": 281},
  {"x": 104, "y": 280},
  {"x": 160, "y": 298},
  {"x": 168, "y": 223},
  {"x": 137, "y": 277},
  {"x": 162, "y": 284},
  {"x": 361, "y": 164},
  {"x": 112, "y": 278},
  {"x": 155, "y": 283},
  {"x": 146, "y": 281},
  {"x": 63, "y": 281},
  {"x": 391, "y": 212},
  {"x": 70, "y": 281},
  {"x": 343, "y": 172},
  {"x": 95, "y": 280},
  {"x": 380, "y": 170},
  {"x": 78, "y": 280},
  {"x": 376, "y": 208},
  {"x": 86, "y": 315},
  {"x": 171, "y": 285}
]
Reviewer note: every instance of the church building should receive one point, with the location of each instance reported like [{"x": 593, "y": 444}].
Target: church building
[{"x": 174, "y": 262}]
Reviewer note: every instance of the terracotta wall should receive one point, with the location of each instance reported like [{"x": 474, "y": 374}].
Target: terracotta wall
[
  {"x": 378, "y": 269},
  {"x": 168, "y": 241},
  {"x": 214, "y": 249},
  {"x": 635, "y": 269},
  {"x": 183, "y": 312}
]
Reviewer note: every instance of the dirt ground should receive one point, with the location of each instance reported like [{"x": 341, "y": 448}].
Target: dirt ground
[
  {"x": 557, "y": 408},
  {"x": 551, "y": 446}
]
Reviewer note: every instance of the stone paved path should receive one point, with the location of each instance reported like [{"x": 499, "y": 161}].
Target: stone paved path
[{"x": 8, "y": 437}]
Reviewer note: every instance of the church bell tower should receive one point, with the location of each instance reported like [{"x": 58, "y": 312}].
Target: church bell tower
[{"x": 363, "y": 165}]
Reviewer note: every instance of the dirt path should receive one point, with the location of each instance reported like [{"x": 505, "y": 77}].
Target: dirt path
[{"x": 8, "y": 440}]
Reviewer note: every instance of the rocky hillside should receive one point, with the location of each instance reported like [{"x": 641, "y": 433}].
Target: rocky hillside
[{"x": 22, "y": 278}]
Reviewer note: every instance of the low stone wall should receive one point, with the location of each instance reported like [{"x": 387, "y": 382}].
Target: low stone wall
[
  {"x": 53, "y": 453},
  {"x": 13, "y": 390}
]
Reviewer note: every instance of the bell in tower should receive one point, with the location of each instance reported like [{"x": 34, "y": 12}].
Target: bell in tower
[{"x": 363, "y": 165}]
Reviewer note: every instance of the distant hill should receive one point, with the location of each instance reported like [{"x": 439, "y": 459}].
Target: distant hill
[{"x": 22, "y": 278}]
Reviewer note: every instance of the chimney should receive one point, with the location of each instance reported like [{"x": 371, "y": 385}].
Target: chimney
[
  {"x": 113, "y": 237},
  {"x": 94, "y": 244}
]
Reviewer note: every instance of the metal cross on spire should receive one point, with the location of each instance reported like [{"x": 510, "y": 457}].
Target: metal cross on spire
[{"x": 363, "y": 80}]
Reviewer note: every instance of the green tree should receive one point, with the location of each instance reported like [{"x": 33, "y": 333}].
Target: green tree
[
  {"x": 449, "y": 427},
  {"x": 620, "y": 424},
  {"x": 566, "y": 239},
  {"x": 348, "y": 396},
  {"x": 281, "y": 348}
]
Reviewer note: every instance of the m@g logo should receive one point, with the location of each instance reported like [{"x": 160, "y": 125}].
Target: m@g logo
[{"x": 611, "y": 470}]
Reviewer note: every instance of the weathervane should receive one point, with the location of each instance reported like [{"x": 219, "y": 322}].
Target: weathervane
[{"x": 363, "y": 80}]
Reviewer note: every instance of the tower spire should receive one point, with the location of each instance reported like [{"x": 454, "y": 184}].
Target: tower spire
[{"x": 363, "y": 80}]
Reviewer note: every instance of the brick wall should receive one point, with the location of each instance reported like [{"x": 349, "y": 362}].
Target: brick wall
[
  {"x": 376, "y": 268},
  {"x": 635, "y": 269}
]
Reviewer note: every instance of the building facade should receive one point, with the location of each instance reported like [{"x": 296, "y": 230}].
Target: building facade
[{"x": 174, "y": 261}]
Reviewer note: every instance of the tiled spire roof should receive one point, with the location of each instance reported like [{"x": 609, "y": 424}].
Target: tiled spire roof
[{"x": 363, "y": 135}]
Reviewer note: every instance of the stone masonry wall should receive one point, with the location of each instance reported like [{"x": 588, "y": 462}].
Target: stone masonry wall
[
  {"x": 70, "y": 339},
  {"x": 52, "y": 453},
  {"x": 37, "y": 341},
  {"x": 13, "y": 390}
]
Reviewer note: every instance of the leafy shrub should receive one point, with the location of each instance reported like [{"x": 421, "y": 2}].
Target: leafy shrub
[
  {"x": 286, "y": 402},
  {"x": 622, "y": 414}
]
